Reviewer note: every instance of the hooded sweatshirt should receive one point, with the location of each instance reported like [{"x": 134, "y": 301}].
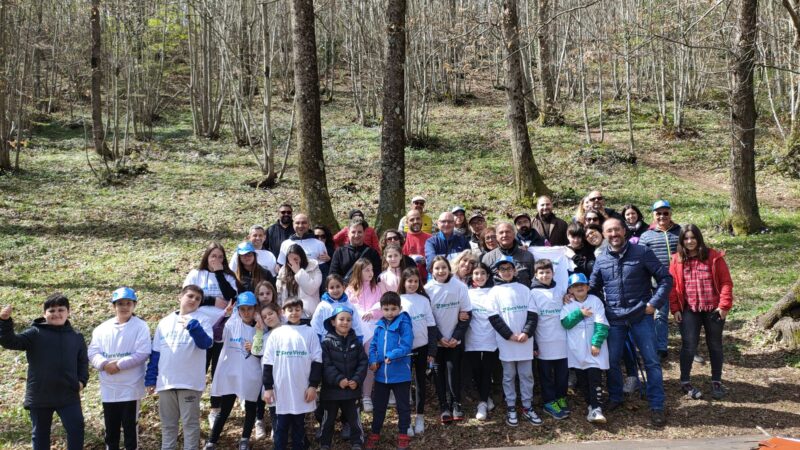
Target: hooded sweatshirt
[
  {"x": 392, "y": 340},
  {"x": 343, "y": 357}
]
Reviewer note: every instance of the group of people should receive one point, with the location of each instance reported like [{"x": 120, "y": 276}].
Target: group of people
[{"x": 359, "y": 322}]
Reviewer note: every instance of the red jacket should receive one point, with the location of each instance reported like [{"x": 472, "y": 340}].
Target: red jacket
[
  {"x": 370, "y": 238},
  {"x": 723, "y": 285}
]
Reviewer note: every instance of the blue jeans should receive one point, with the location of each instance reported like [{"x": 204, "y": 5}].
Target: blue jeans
[
  {"x": 287, "y": 424},
  {"x": 643, "y": 333},
  {"x": 72, "y": 419},
  {"x": 662, "y": 327}
]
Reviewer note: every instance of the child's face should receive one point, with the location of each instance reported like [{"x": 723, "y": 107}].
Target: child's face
[
  {"x": 479, "y": 276},
  {"x": 412, "y": 284},
  {"x": 393, "y": 258},
  {"x": 264, "y": 295},
  {"x": 247, "y": 260},
  {"x": 56, "y": 315},
  {"x": 335, "y": 289},
  {"x": 293, "y": 259},
  {"x": 545, "y": 276},
  {"x": 367, "y": 273},
  {"x": 390, "y": 311},
  {"x": 257, "y": 238},
  {"x": 190, "y": 301},
  {"x": 507, "y": 272},
  {"x": 123, "y": 308},
  {"x": 215, "y": 256},
  {"x": 594, "y": 237},
  {"x": 342, "y": 323},
  {"x": 579, "y": 291},
  {"x": 271, "y": 318},
  {"x": 631, "y": 217},
  {"x": 441, "y": 271},
  {"x": 575, "y": 242},
  {"x": 246, "y": 313},
  {"x": 294, "y": 314}
]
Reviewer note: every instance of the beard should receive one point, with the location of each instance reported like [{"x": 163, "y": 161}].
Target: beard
[{"x": 286, "y": 220}]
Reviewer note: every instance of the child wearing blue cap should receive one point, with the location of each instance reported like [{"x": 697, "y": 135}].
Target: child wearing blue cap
[
  {"x": 119, "y": 350},
  {"x": 587, "y": 350}
]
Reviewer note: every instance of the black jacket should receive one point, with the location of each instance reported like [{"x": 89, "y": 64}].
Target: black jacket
[
  {"x": 276, "y": 234},
  {"x": 345, "y": 256},
  {"x": 57, "y": 362},
  {"x": 584, "y": 260},
  {"x": 342, "y": 358}
]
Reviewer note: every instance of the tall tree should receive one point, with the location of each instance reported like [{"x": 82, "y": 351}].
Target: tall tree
[
  {"x": 5, "y": 127},
  {"x": 393, "y": 134},
  {"x": 98, "y": 133},
  {"x": 527, "y": 179},
  {"x": 314, "y": 197},
  {"x": 548, "y": 113},
  {"x": 745, "y": 218}
]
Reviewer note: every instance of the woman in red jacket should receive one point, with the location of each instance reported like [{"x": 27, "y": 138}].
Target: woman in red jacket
[{"x": 701, "y": 296}]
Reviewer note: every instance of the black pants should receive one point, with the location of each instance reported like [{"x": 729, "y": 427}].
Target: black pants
[
  {"x": 212, "y": 356},
  {"x": 690, "y": 325},
  {"x": 553, "y": 378},
  {"x": 121, "y": 414},
  {"x": 482, "y": 365},
  {"x": 448, "y": 376},
  {"x": 350, "y": 413},
  {"x": 420, "y": 362},
  {"x": 290, "y": 424},
  {"x": 590, "y": 382},
  {"x": 380, "y": 400},
  {"x": 227, "y": 402},
  {"x": 72, "y": 419}
]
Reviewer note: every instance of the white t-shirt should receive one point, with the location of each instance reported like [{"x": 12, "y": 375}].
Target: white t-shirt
[
  {"x": 238, "y": 372},
  {"x": 561, "y": 264},
  {"x": 447, "y": 300},
  {"x": 551, "y": 337},
  {"x": 419, "y": 308},
  {"x": 323, "y": 313},
  {"x": 291, "y": 349},
  {"x": 207, "y": 281},
  {"x": 114, "y": 341},
  {"x": 481, "y": 335},
  {"x": 579, "y": 338},
  {"x": 211, "y": 313},
  {"x": 264, "y": 258},
  {"x": 182, "y": 363},
  {"x": 312, "y": 246},
  {"x": 512, "y": 301}
]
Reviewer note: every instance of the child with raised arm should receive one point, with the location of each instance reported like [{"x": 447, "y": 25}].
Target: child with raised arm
[
  {"x": 119, "y": 350},
  {"x": 271, "y": 318},
  {"x": 58, "y": 370},
  {"x": 176, "y": 370}
]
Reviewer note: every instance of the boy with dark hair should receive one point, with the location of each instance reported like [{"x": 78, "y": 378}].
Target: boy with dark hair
[{"x": 58, "y": 370}]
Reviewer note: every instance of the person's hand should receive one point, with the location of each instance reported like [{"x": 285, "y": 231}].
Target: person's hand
[
  {"x": 536, "y": 353},
  {"x": 259, "y": 322},
  {"x": 214, "y": 266},
  {"x": 453, "y": 343},
  {"x": 311, "y": 394},
  {"x": 81, "y": 386},
  {"x": 183, "y": 321},
  {"x": 150, "y": 390},
  {"x": 229, "y": 308},
  {"x": 5, "y": 313},
  {"x": 568, "y": 298},
  {"x": 323, "y": 257},
  {"x": 294, "y": 265},
  {"x": 367, "y": 317},
  {"x": 678, "y": 317},
  {"x": 269, "y": 396},
  {"x": 352, "y": 384},
  {"x": 220, "y": 302},
  {"x": 387, "y": 361},
  {"x": 373, "y": 367},
  {"x": 587, "y": 312},
  {"x": 463, "y": 315},
  {"x": 248, "y": 346},
  {"x": 111, "y": 368},
  {"x": 344, "y": 383},
  {"x": 595, "y": 351},
  {"x": 521, "y": 338},
  {"x": 650, "y": 310},
  {"x": 723, "y": 313}
]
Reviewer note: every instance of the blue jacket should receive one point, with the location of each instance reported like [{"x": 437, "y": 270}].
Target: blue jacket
[
  {"x": 624, "y": 279},
  {"x": 394, "y": 341},
  {"x": 662, "y": 243},
  {"x": 439, "y": 245}
]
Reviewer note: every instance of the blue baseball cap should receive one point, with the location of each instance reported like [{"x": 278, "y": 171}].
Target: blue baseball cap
[
  {"x": 246, "y": 299},
  {"x": 503, "y": 260},
  {"x": 123, "y": 293},
  {"x": 340, "y": 309},
  {"x": 245, "y": 248},
  {"x": 661, "y": 204},
  {"x": 577, "y": 278}
]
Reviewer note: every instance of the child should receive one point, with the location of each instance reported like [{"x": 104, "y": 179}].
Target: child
[
  {"x": 414, "y": 300},
  {"x": 514, "y": 318},
  {"x": 257, "y": 237},
  {"x": 119, "y": 350},
  {"x": 587, "y": 329},
  {"x": 448, "y": 297},
  {"x": 58, "y": 370},
  {"x": 266, "y": 293},
  {"x": 292, "y": 372},
  {"x": 393, "y": 266},
  {"x": 176, "y": 368},
  {"x": 333, "y": 297},
  {"x": 344, "y": 366},
  {"x": 481, "y": 345},
  {"x": 579, "y": 251},
  {"x": 237, "y": 375},
  {"x": 268, "y": 318},
  {"x": 389, "y": 358},
  {"x": 248, "y": 271}
]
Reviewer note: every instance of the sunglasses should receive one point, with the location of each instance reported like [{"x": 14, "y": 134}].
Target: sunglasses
[
  {"x": 663, "y": 214},
  {"x": 285, "y": 213},
  {"x": 596, "y": 199},
  {"x": 593, "y": 219},
  {"x": 392, "y": 238},
  {"x": 419, "y": 203},
  {"x": 320, "y": 236}
]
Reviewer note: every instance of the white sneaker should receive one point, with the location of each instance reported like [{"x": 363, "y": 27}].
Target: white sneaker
[
  {"x": 595, "y": 415},
  {"x": 630, "y": 385},
  {"x": 366, "y": 402},
  {"x": 482, "y": 411},
  {"x": 261, "y": 430},
  {"x": 490, "y": 404},
  {"x": 392, "y": 400},
  {"x": 410, "y": 431},
  {"x": 212, "y": 417},
  {"x": 419, "y": 425},
  {"x": 511, "y": 417}
]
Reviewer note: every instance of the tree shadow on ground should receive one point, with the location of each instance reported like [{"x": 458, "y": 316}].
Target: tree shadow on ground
[{"x": 119, "y": 231}]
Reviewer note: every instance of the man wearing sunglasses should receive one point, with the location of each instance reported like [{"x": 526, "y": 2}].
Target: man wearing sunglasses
[
  {"x": 280, "y": 230},
  {"x": 595, "y": 200}
]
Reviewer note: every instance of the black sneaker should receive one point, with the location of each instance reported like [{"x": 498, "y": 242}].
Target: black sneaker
[
  {"x": 691, "y": 391},
  {"x": 657, "y": 418},
  {"x": 718, "y": 391},
  {"x": 458, "y": 411}
]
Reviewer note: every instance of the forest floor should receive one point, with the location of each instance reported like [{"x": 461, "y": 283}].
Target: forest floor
[{"x": 62, "y": 231}]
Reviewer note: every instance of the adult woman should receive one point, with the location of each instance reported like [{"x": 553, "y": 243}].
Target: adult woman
[
  {"x": 248, "y": 272},
  {"x": 300, "y": 277},
  {"x": 702, "y": 295},
  {"x": 489, "y": 240},
  {"x": 634, "y": 221},
  {"x": 463, "y": 265},
  {"x": 593, "y": 217},
  {"x": 594, "y": 237}
]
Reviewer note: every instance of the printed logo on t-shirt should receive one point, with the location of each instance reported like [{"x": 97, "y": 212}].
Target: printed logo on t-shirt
[
  {"x": 448, "y": 305},
  {"x": 550, "y": 312},
  {"x": 479, "y": 309},
  {"x": 291, "y": 353},
  {"x": 115, "y": 355},
  {"x": 514, "y": 308},
  {"x": 418, "y": 317}
]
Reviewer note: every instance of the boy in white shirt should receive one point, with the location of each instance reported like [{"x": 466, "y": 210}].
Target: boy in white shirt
[
  {"x": 177, "y": 369},
  {"x": 514, "y": 318},
  {"x": 587, "y": 330},
  {"x": 292, "y": 372},
  {"x": 119, "y": 350}
]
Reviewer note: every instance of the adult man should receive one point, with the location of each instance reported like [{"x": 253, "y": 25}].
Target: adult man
[
  {"x": 446, "y": 242},
  {"x": 346, "y": 256},
  {"x": 595, "y": 200},
  {"x": 527, "y": 236},
  {"x": 622, "y": 273},
  {"x": 414, "y": 246},
  {"x": 460, "y": 216},
  {"x": 302, "y": 236},
  {"x": 370, "y": 236},
  {"x": 550, "y": 227},
  {"x": 508, "y": 246},
  {"x": 280, "y": 230},
  {"x": 662, "y": 239},
  {"x": 477, "y": 223},
  {"x": 418, "y": 203}
]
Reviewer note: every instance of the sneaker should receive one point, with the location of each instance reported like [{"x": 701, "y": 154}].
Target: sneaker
[
  {"x": 562, "y": 403},
  {"x": 530, "y": 415},
  {"x": 595, "y": 415},
  {"x": 446, "y": 417},
  {"x": 372, "y": 441},
  {"x": 212, "y": 417},
  {"x": 261, "y": 430},
  {"x": 657, "y": 418},
  {"x": 699, "y": 359},
  {"x": 392, "y": 400},
  {"x": 613, "y": 405},
  {"x": 410, "y": 431},
  {"x": 483, "y": 411},
  {"x": 366, "y": 402},
  {"x": 554, "y": 410},
  {"x": 630, "y": 385},
  {"x": 490, "y": 404},
  {"x": 511, "y": 417},
  {"x": 718, "y": 391},
  {"x": 345, "y": 434},
  {"x": 691, "y": 391},
  {"x": 210, "y": 446},
  {"x": 355, "y": 447},
  {"x": 403, "y": 442},
  {"x": 419, "y": 425},
  {"x": 244, "y": 444},
  {"x": 458, "y": 411}
]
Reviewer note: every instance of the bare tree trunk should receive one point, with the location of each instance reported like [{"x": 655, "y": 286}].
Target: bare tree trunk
[
  {"x": 266, "y": 124},
  {"x": 314, "y": 197},
  {"x": 393, "y": 135},
  {"x": 745, "y": 218},
  {"x": 548, "y": 114},
  {"x": 5, "y": 151},
  {"x": 98, "y": 133},
  {"x": 528, "y": 182}
]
